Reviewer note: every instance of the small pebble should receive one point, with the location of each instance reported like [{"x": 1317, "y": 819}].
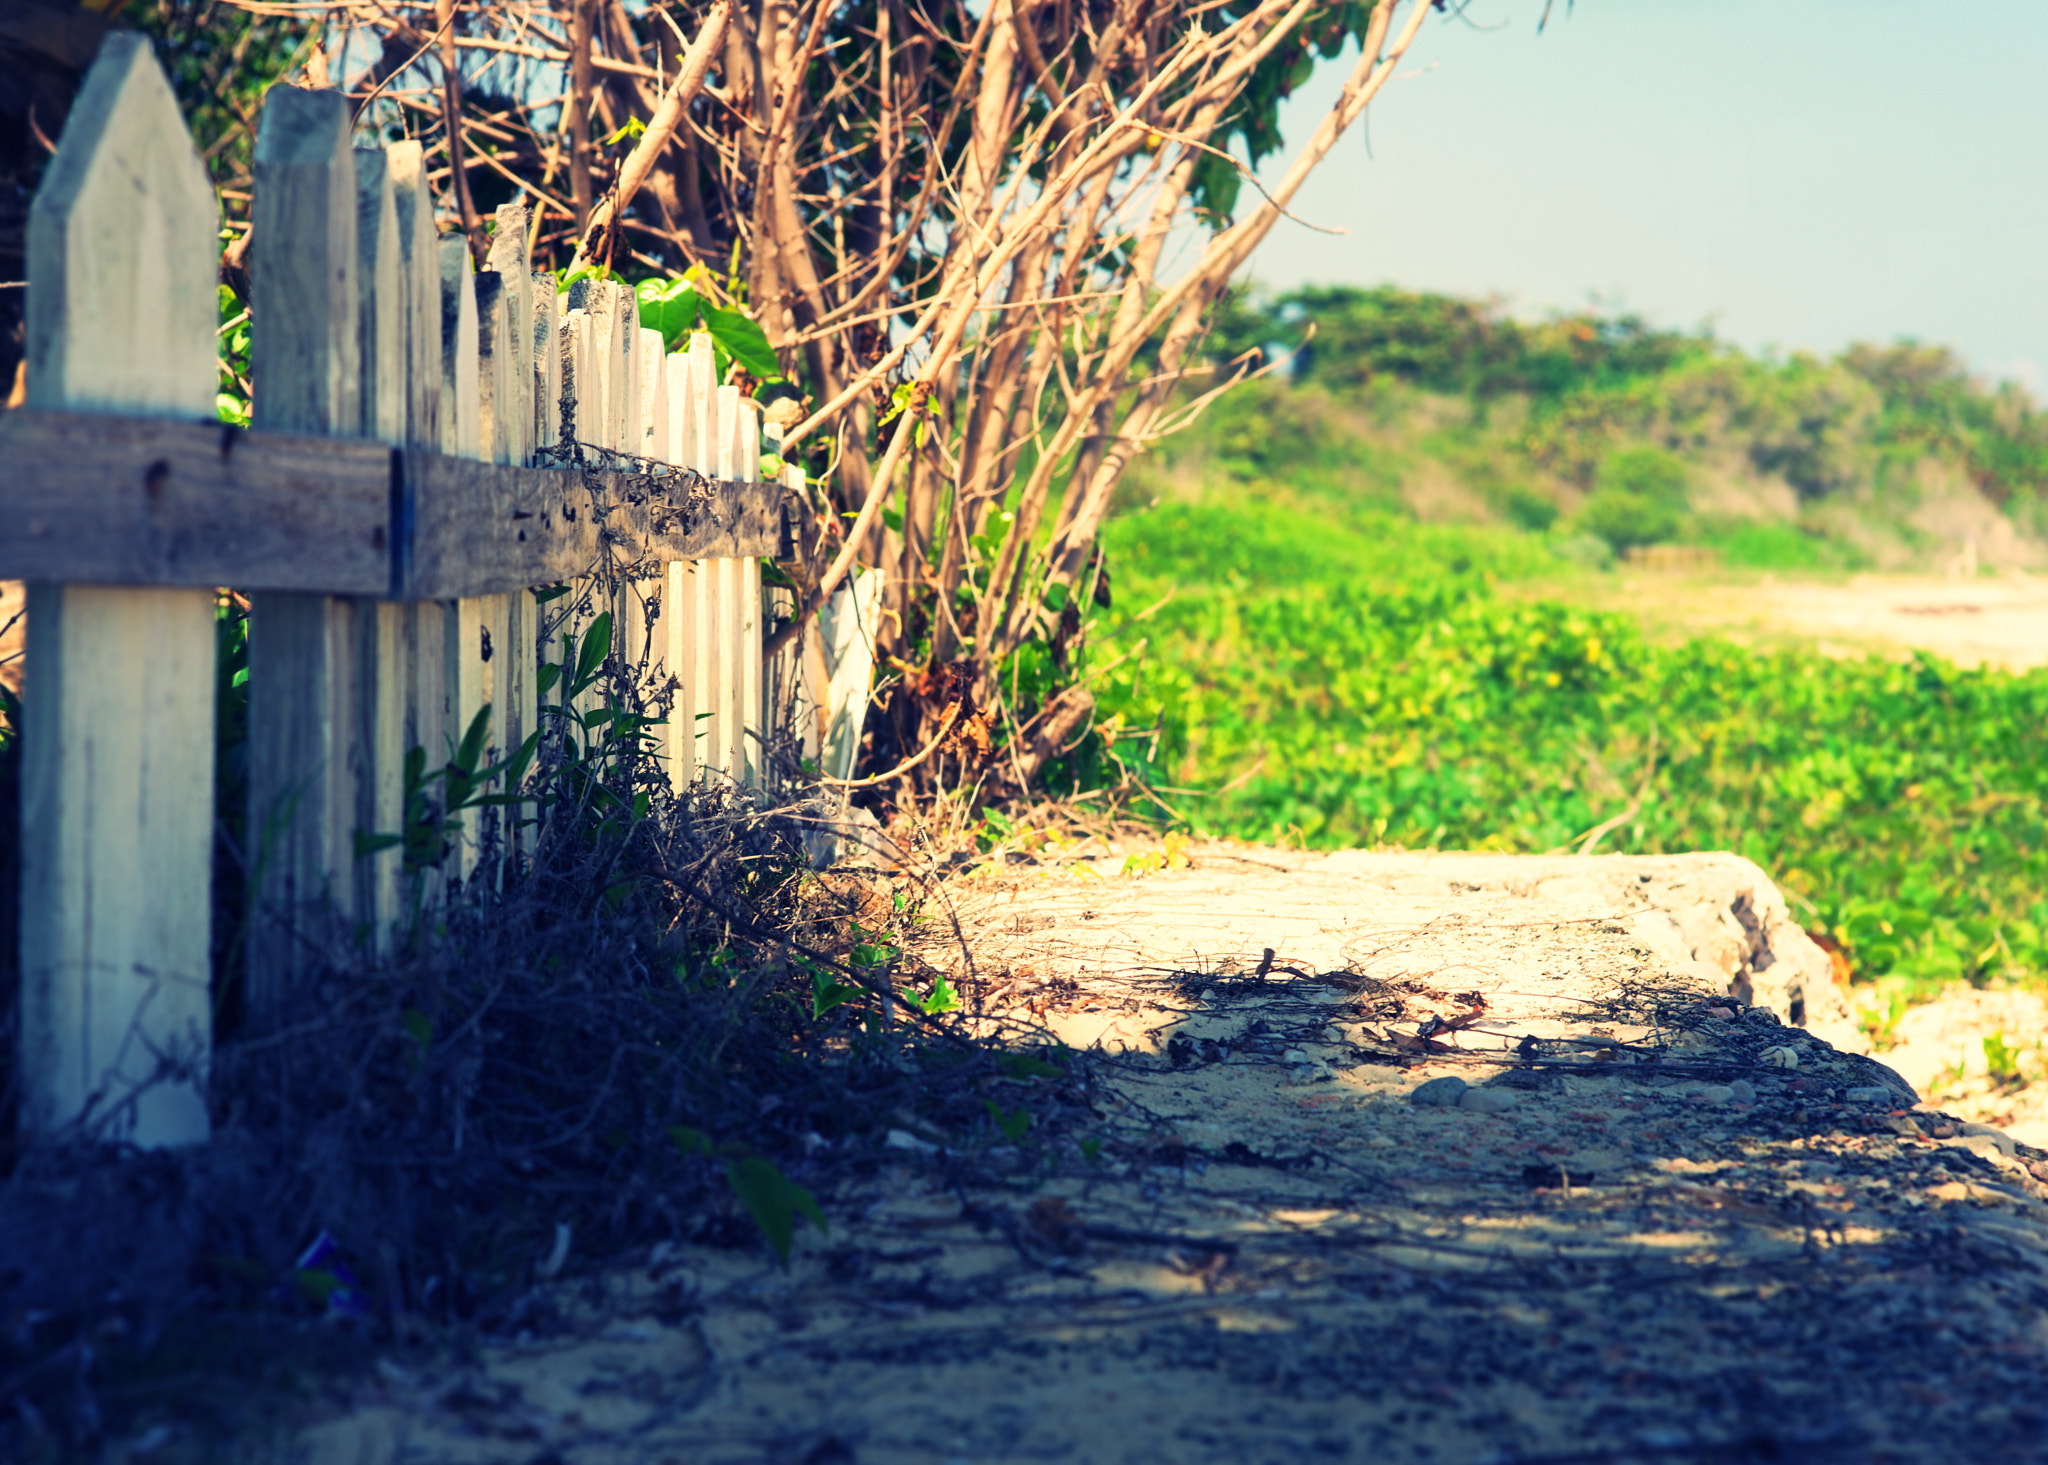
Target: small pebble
[
  {"x": 1867, "y": 1094},
  {"x": 1726, "y": 1014},
  {"x": 2004, "y": 1141},
  {"x": 903, "y": 1139},
  {"x": 1742, "y": 1091},
  {"x": 1439, "y": 1093},
  {"x": 1779, "y": 1057},
  {"x": 1715, "y": 1093},
  {"x": 2038, "y": 1169},
  {"x": 1294, "y": 1055},
  {"x": 1487, "y": 1101}
]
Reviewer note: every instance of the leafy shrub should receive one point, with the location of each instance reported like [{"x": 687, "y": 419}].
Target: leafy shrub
[
  {"x": 1530, "y": 510},
  {"x": 1446, "y": 344},
  {"x": 1639, "y": 498}
]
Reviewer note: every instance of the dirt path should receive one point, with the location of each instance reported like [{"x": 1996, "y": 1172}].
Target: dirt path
[{"x": 1597, "y": 1216}]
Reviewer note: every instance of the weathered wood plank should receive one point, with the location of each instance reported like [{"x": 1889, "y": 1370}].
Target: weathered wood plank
[
  {"x": 498, "y": 429},
  {"x": 390, "y": 708},
  {"x": 132, "y": 501},
  {"x": 626, "y": 370},
  {"x": 129, "y": 501},
  {"x": 476, "y": 529},
  {"x": 654, "y": 397},
  {"x": 306, "y": 755},
  {"x": 700, "y": 593},
  {"x": 547, "y": 364},
  {"x": 117, "y": 789},
  {"x": 751, "y": 688},
  {"x": 420, "y": 248},
  {"x": 508, "y": 259},
  {"x": 461, "y": 391},
  {"x": 381, "y": 345}
]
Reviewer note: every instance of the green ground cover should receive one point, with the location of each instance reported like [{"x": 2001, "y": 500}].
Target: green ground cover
[
  {"x": 1302, "y": 658},
  {"x": 1366, "y": 684}
]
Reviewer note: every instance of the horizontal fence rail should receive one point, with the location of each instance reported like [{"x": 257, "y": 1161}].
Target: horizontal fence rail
[
  {"x": 432, "y": 445},
  {"x": 130, "y": 501}
]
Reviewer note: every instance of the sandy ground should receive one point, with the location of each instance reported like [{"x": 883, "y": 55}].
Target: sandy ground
[
  {"x": 1941, "y": 1049},
  {"x": 1440, "y": 1158},
  {"x": 1982, "y": 621}
]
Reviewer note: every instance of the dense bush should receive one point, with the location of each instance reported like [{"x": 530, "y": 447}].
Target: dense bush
[
  {"x": 1639, "y": 498},
  {"x": 1446, "y": 344},
  {"x": 1594, "y": 382}
]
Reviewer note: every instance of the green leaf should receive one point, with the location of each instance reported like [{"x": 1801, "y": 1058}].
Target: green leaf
[
  {"x": 472, "y": 747},
  {"x": 773, "y": 1200},
  {"x": 597, "y": 644},
  {"x": 827, "y": 994},
  {"x": 689, "y": 1141},
  {"x": 942, "y": 999},
  {"x": 1023, "y": 1065},
  {"x": 671, "y": 307},
  {"x": 419, "y": 1027},
  {"x": 744, "y": 341},
  {"x": 1014, "y": 1123}
]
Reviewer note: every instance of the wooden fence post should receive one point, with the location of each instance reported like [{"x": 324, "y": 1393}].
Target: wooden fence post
[
  {"x": 117, "y": 809},
  {"x": 303, "y": 699}
]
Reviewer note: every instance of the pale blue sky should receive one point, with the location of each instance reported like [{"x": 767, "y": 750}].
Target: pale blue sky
[{"x": 1801, "y": 173}]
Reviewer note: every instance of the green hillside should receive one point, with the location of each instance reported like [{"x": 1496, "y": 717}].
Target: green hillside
[{"x": 1323, "y": 609}]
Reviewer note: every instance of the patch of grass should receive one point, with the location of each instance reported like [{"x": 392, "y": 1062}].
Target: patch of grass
[{"x": 1349, "y": 685}]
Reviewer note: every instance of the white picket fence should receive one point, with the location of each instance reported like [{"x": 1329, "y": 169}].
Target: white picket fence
[{"x": 378, "y": 357}]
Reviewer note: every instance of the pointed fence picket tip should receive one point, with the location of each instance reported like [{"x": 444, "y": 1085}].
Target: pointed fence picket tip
[
  {"x": 304, "y": 347},
  {"x": 122, "y": 249}
]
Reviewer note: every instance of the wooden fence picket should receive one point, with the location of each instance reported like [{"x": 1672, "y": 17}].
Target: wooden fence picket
[
  {"x": 654, "y": 399},
  {"x": 117, "y": 810},
  {"x": 693, "y": 636},
  {"x": 392, "y": 574},
  {"x": 305, "y": 756},
  {"x": 419, "y": 245},
  {"x": 749, "y": 766},
  {"x": 461, "y": 388},
  {"x": 386, "y": 690}
]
